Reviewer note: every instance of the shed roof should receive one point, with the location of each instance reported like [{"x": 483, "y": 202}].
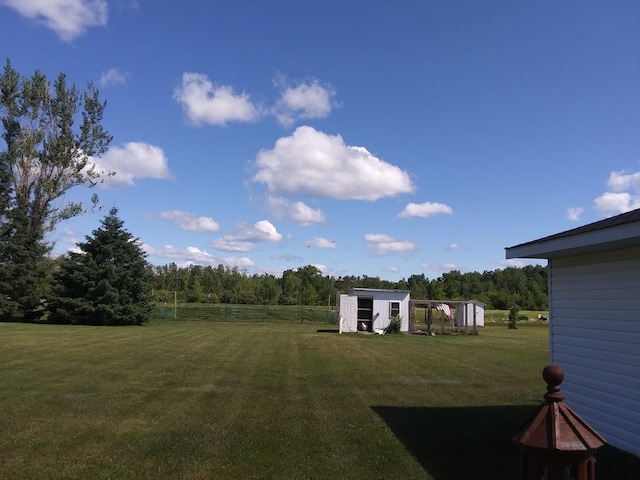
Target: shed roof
[
  {"x": 361, "y": 289},
  {"x": 615, "y": 232}
]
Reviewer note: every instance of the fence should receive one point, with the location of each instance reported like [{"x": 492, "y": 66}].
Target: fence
[{"x": 246, "y": 313}]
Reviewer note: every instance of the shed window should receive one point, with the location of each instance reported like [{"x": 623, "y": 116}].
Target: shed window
[{"x": 394, "y": 309}]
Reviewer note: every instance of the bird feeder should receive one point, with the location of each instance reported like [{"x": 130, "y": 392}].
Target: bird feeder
[{"x": 556, "y": 443}]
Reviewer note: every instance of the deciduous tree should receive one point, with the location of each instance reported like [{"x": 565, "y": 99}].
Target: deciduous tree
[{"x": 43, "y": 154}]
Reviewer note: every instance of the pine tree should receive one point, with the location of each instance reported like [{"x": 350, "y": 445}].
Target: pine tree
[{"x": 108, "y": 283}]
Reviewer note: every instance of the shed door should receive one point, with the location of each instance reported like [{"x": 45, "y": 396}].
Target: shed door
[{"x": 348, "y": 312}]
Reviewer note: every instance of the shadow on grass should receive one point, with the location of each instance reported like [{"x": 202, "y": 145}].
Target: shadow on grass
[
  {"x": 475, "y": 442},
  {"x": 327, "y": 330}
]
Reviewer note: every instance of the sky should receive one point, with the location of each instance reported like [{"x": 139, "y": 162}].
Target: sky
[{"x": 363, "y": 137}]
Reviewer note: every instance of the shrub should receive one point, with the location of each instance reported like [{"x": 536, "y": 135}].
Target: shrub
[
  {"x": 394, "y": 325},
  {"x": 513, "y": 317}
]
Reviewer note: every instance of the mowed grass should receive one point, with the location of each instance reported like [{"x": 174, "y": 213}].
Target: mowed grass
[{"x": 200, "y": 400}]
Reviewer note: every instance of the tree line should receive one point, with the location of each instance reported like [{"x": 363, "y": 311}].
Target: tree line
[{"x": 498, "y": 289}]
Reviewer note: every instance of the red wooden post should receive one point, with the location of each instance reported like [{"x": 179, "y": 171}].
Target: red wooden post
[{"x": 556, "y": 443}]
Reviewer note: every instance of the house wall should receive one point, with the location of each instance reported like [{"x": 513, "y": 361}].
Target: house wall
[
  {"x": 381, "y": 301},
  {"x": 595, "y": 337}
]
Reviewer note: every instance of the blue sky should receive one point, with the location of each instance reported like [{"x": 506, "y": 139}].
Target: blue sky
[{"x": 367, "y": 138}]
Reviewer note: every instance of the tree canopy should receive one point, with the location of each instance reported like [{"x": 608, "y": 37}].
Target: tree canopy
[
  {"x": 107, "y": 283},
  {"x": 499, "y": 289},
  {"x": 43, "y": 154}
]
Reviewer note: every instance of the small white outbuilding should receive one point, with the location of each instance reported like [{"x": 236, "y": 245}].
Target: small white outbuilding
[
  {"x": 371, "y": 309},
  {"x": 469, "y": 313}
]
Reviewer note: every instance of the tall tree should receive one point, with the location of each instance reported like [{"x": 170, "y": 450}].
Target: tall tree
[
  {"x": 109, "y": 283},
  {"x": 43, "y": 155}
]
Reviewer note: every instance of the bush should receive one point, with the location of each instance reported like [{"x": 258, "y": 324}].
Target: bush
[
  {"x": 394, "y": 325},
  {"x": 513, "y": 317}
]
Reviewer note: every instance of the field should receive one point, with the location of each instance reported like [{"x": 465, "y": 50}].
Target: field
[{"x": 199, "y": 400}]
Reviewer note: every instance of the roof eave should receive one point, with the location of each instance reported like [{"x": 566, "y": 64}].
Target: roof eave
[{"x": 619, "y": 236}]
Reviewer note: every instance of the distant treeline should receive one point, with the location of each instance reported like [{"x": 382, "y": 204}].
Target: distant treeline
[{"x": 498, "y": 289}]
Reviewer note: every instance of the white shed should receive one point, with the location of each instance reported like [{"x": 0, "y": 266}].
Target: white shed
[
  {"x": 594, "y": 315},
  {"x": 469, "y": 313},
  {"x": 371, "y": 309}
]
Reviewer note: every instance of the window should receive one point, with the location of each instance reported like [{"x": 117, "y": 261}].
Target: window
[{"x": 394, "y": 309}]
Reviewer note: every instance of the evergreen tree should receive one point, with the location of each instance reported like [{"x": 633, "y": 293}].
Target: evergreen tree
[{"x": 109, "y": 283}]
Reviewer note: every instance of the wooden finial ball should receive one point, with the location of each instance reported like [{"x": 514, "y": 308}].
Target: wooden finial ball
[{"x": 553, "y": 375}]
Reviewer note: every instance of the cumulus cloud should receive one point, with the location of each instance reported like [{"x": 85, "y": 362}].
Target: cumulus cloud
[
  {"x": 612, "y": 203},
  {"x": 113, "y": 76},
  {"x": 621, "y": 181},
  {"x": 622, "y": 195},
  {"x": 391, "y": 269},
  {"x": 381, "y": 244},
  {"x": 440, "y": 267},
  {"x": 424, "y": 210},
  {"x": 247, "y": 237},
  {"x": 204, "y": 102},
  {"x": 316, "y": 164},
  {"x": 573, "y": 213},
  {"x": 304, "y": 100},
  {"x": 188, "y": 221},
  {"x": 320, "y": 242},
  {"x": 68, "y": 18},
  {"x": 196, "y": 255},
  {"x": 297, "y": 212},
  {"x": 326, "y": 271},
  {"x": 513, "y": 263},
  {"x": 130, "y": 162},
  {"x": 66, "y": 238}
]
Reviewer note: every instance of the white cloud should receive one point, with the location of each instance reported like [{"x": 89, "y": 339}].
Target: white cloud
[
  {"x": 326, "y": 271},
  {"x": 614, "y": 203},
  {"x": 440, "y": 268},
  {"x": 391, "y": 269},
  {"x": 305, "y": 100},
  {"x": 514, "y": 263},
  {"x": 320, "y": 242},
  {"x": 623, "y": 196},
  {"x": 621, "y": 181},
  {"x": 314, "y": 163},
  {"x": 189, "y": 221},
  {"x": 68, "y": 18},
  {"x": 453, "y": 246},
  {"x": 262, "y": 231},
  {"x": 205, "y": 102},
  {"x": 573, "y": 213},
  {"x": 67, "y": 238},
  {"x": 196, "y": 255},
  {"x": 425, "y": 210},
  {"x": 247, "y": 237},
  {"x": 227, "y": 245},
  {"x": 132, "y": 161},
  {"x": 297, "y": 212},
  {"x": 381, "y": 244},
  {"x": 113, "y": 76}
]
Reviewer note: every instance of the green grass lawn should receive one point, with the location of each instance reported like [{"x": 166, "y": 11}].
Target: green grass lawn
[{"x": 196, "y": 400}]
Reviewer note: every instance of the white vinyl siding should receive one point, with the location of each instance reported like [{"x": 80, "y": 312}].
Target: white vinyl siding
[
  {"x": 595, "y": 338},
  {"x": 381, "y": 308}
]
